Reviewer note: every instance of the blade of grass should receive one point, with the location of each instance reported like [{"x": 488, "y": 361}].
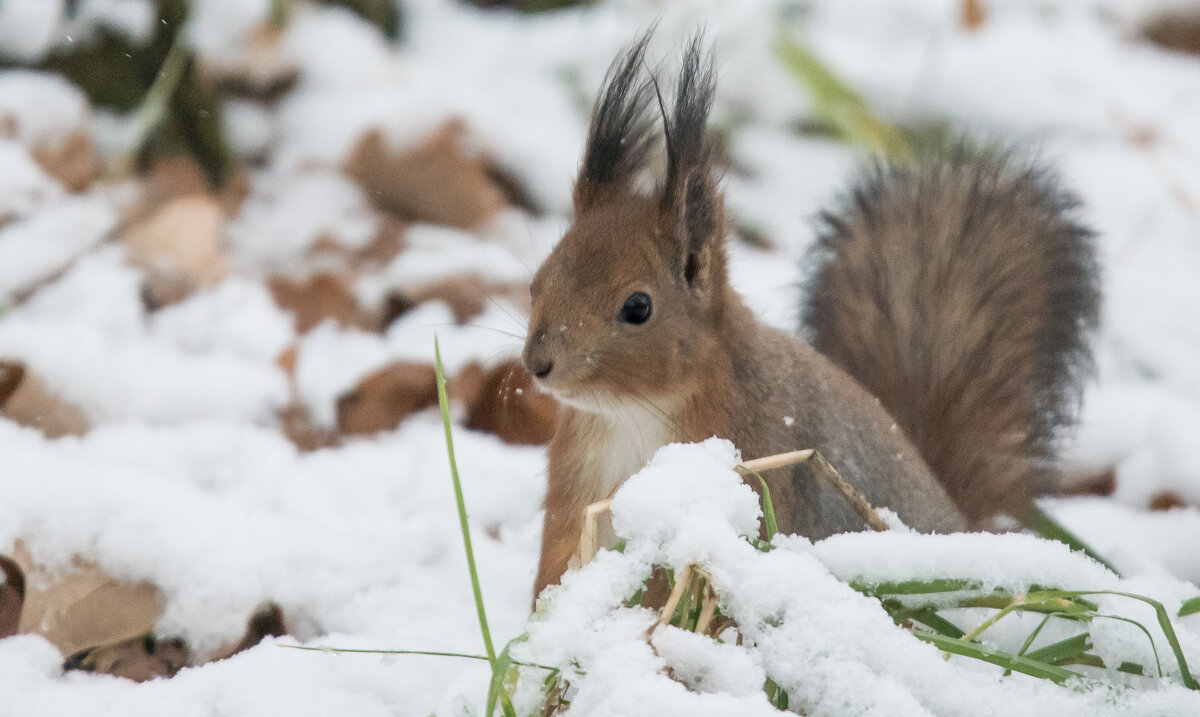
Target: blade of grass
[
  {"x": 496, "y": 691},
  {"x": 1016, "y": 663},
  {"x": 1164, "y": 622},
  {"x": 915, "y": 587},
  {"x": 444, "y": 405},
  {"x": 1045, "y": 526},
  {"x": 1188, "y": 607},
  {"x": 837, "y": 105},
  {"x": 429, "y": 653}
]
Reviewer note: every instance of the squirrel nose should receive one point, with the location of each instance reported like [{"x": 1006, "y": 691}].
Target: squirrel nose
[
  {"x": 538, "y": 366},
  {"x": 536, "y": 357}
]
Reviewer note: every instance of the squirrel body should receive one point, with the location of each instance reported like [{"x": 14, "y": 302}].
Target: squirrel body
[{"x": 953, "y": 294}]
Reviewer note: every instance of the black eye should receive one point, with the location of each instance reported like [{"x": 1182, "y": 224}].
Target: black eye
[{"x": 636, "y": 309}]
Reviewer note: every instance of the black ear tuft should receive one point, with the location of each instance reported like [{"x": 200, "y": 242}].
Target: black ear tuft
[
  {"x": 689, "y": 149},
  {"x": 621, "y": 134},
  {"x": 689, "y": 196}
]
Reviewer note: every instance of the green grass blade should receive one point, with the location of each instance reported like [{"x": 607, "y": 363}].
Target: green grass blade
[
  {"x": 836, "y": 104},
  {"x": 1164, "y": 623},
  {"x": 1140, "y": 626},
  {"x": 496, "y": 690},
  {"x": 1188, "y": 607},
  {"x": 768, "y": 509},
  {"x": 1062, "y": 650},
  {"x": 444, "y": 404},
  {"x": 430, "y": 653},
  {"x": 1016, "y": 663},
  {"x": 915, "y": 587},
  {"x": 1047, "y": 527}
]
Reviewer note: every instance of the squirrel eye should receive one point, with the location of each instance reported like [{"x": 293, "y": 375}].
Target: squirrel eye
[{"x": 636, "y": 309}]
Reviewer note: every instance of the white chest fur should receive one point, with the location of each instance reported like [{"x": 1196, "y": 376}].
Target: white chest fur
[{"x": 619, "y": 441}]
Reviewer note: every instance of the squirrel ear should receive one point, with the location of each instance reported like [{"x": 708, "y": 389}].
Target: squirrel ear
[
  {"x": 620, "y": 137},
  {"x": 691, "y": 203},
  {"x": 697, "y": 220}
]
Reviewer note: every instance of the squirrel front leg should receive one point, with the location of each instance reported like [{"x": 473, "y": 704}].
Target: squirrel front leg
[{"x": 561, "y": 529}]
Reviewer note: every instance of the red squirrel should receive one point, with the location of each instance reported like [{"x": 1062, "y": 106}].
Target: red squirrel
[{"x": 948, "y": 311}]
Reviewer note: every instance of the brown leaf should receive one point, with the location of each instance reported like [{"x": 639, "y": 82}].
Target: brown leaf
[
  {"x": 508, "y": 405},
  {"x": 72, "y": 160},
  {"x": 972, "y": 14},
  {"x": 179, "y": 245},
  {"x": 84, "y": 607},
  {"x": 25, "y": 399},
  {"x": 1167, "y": 500},
  {"x": 1101, "y": 483},
  {"x": 12, "y": 596},
  {"x": 267, "y": 621},
  {"x": 1178, "y": 31},
  {"x": 139, "y": 658},
  {"x": 386, "y": 397},
  {"x": 320, "y": 297},
  {"x": 467, "y": 296},
  {"x": 436, "y": 182},
  {"x": 298, "y": 427}
]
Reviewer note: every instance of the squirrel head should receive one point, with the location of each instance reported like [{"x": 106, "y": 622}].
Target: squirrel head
[{"x": 630, "y": 299}]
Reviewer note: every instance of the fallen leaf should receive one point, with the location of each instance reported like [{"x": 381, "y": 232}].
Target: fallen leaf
[
  {"x": 24, "y": 398},
  {"x": 436, "y": 182},
  {"x": 467, "y": 296},
  {"x": 139, "y": 658},
  {"x": 386, "y": 397},
  {"x": 972, "y": 14},
  {"x": 84, "y": 607},
  {"x": 316, "y": 299},
  {"x": 71, "y": 160},
  {"x": 267, "y": 621},
  {"x": 12, "y": 596},
  {"x": 297, "y": 425},
  {"x": 180, "y": 243},
  {"x": 1167, "y": 500},
  {"x": 509, "y": 406}
]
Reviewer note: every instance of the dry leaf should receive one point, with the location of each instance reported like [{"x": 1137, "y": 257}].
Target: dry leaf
[
  {"x": 72, "y": 160},
  {"x": 267, "y": 621},
  {"x": 320, "y": 297},
  {"x": 25, "y": 399},
  {"x": 1101, "y": 483},
  {"x": 467, "y": 296},
  {"x": 972, "y": 14},
  {"x": 507, "y": 405},
  {"x": 436, "y": 182},
  {"x": 181, "y": 242},
  {"x": 298, "y": 427},
  {"x": 139, "y": 658},
  {"x": 1167, "y": 500},
  {"x": 1178, "y": 31},
  {"x": 85, "y": 607},
  {"x": 386, "y": 397},
  {"x": 12, "y": 596}
]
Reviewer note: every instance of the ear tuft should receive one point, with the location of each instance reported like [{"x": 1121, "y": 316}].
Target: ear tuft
[
  {"x": 689, "y": 199},
  {"x": 621, "y": 134}
]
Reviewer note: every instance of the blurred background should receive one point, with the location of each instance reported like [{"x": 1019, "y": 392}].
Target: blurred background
[{"x": 229, "y": 230}]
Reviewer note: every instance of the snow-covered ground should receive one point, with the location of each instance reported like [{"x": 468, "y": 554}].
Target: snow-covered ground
[{"x": 185, "y": 479}]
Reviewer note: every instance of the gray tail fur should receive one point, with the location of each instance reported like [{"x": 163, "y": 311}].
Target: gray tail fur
[{"x": 961, "y": 290}]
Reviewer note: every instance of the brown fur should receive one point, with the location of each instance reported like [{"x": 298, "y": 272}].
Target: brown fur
[
  {"x": 702, "y": 364},
  {"x": 960, "y": 292}
]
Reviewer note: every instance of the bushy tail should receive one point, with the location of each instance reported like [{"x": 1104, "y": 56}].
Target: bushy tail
[{"x": 961, "y": 291}]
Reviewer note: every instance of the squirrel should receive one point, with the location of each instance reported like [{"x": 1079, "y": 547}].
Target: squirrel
[{"x": 948, "y": 313}]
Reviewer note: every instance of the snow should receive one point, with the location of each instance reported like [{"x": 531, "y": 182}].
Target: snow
[
  {"x": 186, "y": 481},
  {"x": 831, "y": 648}
]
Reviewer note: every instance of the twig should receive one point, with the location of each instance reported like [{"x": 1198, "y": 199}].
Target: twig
[
  {"x": 589, "y": 543},
  {"x": 856, "y": 500}
]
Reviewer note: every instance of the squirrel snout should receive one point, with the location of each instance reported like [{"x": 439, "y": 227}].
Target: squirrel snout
[
  {"x": 536, "y": 356},
  {"x": 538, "y": 365}
]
